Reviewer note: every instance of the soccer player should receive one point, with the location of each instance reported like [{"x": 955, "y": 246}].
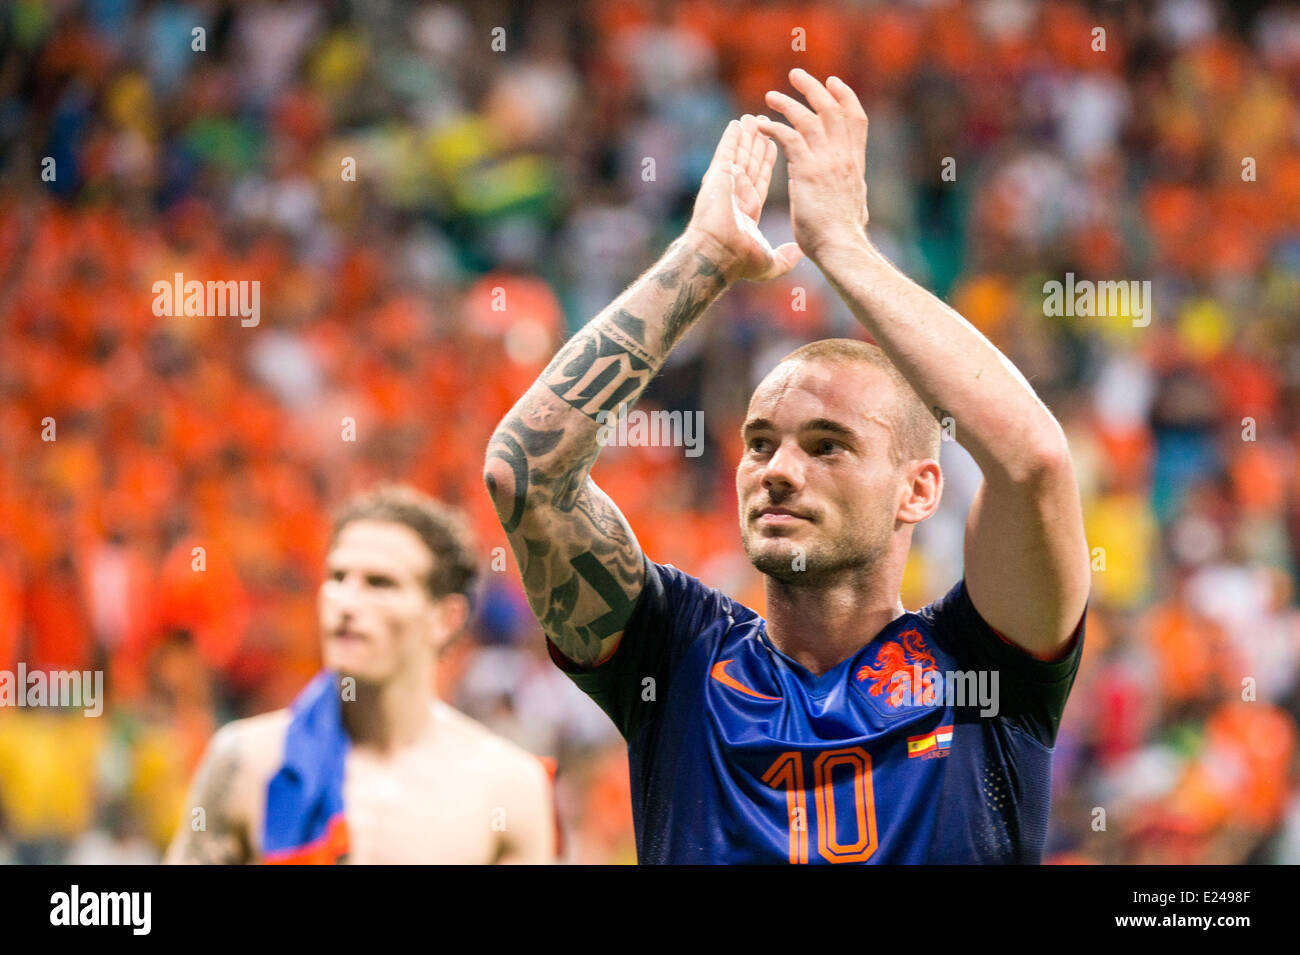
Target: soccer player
[
  {"x": 842, "y": 728},
  {"x": 367, "y": 766}
]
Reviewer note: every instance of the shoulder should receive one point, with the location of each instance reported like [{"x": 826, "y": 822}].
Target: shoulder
[
  {"x": 1029, "y": 691},
  {"x": 251, "y": 749},
  {"x": 953, "y": 618},
  {"x": 253, "y": 735},
  {"x": 956, "y": 616},
  {"x": 690, "y": 596}
]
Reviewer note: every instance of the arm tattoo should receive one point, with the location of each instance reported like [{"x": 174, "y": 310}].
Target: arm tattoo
[
  {"x": 605, "y": 368},
  {"x": 582, "y": 579},
  {"x": 581, "y": 565},
  {"x": 516, "y": 453},
  {"x": 692, "y": 298},
  {"x": 613, "y": 358},
  {"x": 216, "y": 836}
]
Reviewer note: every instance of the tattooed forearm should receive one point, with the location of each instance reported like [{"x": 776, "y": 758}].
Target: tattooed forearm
[
  {"x": 612, "y": 359},
  {"x": 582, "y": 567},
  {"x": 602, "y": 371},
  {"x": 692, "y": 299}
]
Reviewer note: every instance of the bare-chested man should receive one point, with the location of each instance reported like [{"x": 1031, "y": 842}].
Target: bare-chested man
[{"x": 368, "y": 766}]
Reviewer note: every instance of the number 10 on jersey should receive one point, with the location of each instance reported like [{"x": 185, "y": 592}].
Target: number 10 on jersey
[{"x": 853, "y": 764}]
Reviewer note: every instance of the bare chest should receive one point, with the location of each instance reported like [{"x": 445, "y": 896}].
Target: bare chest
[{"x": 429, "y": 807}]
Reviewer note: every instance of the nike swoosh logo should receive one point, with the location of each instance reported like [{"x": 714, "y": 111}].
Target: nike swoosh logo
[{"x": 719, "y": 673}]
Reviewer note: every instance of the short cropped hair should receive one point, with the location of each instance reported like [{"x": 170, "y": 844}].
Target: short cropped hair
[
  {"x": 916, "y": 430},
  {"x": 443, "y": 529}
]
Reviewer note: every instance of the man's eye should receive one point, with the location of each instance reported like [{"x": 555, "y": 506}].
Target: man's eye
[
  {"x": 759, "y": 445},
  {"x": 337, "y": 575},
  {"x": 826, "y": 446},
  {"x": 374, "y": 581}
]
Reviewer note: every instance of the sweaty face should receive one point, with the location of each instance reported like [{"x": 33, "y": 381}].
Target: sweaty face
[
  {"x": 817, "y": 487},
  {"x": 377, "y": 618}
]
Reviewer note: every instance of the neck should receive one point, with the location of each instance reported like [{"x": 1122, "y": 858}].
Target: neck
[
  {"x": 820, "y": 623},
  {"x": 386, "y": 716}
]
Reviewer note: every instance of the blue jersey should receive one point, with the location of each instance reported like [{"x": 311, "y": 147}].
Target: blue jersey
[{"x": 931, "y": 744}]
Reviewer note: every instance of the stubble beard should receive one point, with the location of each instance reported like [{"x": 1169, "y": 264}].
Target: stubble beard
[{"x": 822, "y": 562}]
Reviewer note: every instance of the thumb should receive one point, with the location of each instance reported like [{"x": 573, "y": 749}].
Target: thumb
[{"x": 785, "y": 257}]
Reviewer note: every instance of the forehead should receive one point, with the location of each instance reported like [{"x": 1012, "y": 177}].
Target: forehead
[
  {"x": 855, "y": 394},
  {"x": 381, "y": 546}
]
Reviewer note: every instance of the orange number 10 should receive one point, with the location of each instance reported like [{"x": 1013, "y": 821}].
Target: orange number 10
[{"x": 787, "y": 773}]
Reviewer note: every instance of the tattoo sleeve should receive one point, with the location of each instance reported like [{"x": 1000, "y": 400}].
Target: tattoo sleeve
[
  {"x": 581, "y": 564},
  {"x": 211, "y": 832}
]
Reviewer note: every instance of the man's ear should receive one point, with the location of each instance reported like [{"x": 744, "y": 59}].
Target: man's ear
[
  {"x": 451, "y": 614},
  {"x": 922, "y": 492}
]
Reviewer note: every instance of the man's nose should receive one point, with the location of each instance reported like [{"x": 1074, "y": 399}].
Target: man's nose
[
  {"x": 784, "y": 469},
  {"x": 345, "y": 595}
]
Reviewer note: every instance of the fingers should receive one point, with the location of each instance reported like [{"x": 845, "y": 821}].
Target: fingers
[
  {"x": 765, "y": 169},
  {"x": 818, "y": 97},
  {"x": 800, "y": 116},
  {"x": 745, "y": 143},
  {"x": 847, "y": 99},
  {"x": 743, "y": 189},
  {"x": 790, "y": 140},
  {"x": 725, "y": 154},
  {"x": 851, "y": 109},
  {"x": 839, "y": 117},
  {"x": 758, "y": 149}
]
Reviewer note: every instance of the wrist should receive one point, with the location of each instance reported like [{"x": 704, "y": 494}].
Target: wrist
[
  {"x": 712, "y": 251},
  {"x": 851, "y": 241}
]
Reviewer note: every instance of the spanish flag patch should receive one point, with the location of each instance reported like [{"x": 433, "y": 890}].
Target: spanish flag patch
[{"x": 934, "y": 743}]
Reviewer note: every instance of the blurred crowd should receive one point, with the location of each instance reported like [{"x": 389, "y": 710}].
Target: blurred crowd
[{"x": 433, "y": 195}]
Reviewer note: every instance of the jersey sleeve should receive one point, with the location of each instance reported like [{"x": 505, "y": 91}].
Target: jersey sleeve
[
  {"x": 1031, "y": 691},
  {"x": 671, "y": 611}
]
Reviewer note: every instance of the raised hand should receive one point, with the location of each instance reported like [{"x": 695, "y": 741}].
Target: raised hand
[
  {"x": 732, "y": 193},
  {"x": 825, "y": 147}
]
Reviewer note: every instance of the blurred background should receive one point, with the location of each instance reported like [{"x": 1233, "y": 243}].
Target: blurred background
[{"x": 525, "y": 169}]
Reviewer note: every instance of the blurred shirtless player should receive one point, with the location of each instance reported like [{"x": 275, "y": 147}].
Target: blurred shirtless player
[{"x": 368, "y": 766}]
